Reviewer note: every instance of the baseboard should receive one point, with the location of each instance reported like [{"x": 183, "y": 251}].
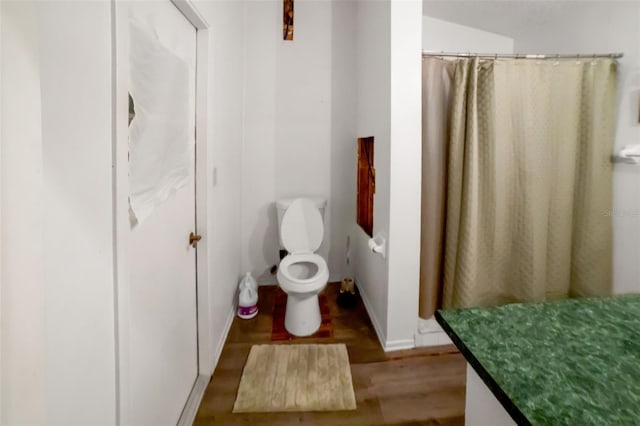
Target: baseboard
[
  {"x": 398, "y": 345},
  {"x": 374, "y": 320},
  {"x": 432, "y": 339},
  {"x": 193, "y": 402},
  {"x": 227, "y": 326},
  {"x": 197, "y": 392},
  {"x": 387, "y": 345},
  {"x": 430, "y": 334}
]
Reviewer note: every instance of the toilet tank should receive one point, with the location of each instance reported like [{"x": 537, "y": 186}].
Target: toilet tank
[{"x": 283, "y": 204}]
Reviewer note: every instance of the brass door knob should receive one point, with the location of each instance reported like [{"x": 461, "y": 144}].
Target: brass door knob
[{"x": 193, "y": 239}]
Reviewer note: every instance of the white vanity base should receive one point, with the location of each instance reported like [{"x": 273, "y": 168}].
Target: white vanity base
[{"x": 482, "y": 408}]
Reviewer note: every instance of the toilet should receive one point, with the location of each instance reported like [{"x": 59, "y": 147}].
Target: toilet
[{"x": 302, "y": 274}]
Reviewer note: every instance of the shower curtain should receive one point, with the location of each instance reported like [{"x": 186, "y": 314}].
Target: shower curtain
[
  {"x": 527, "y": 210},
  {"x": 437, "y": 76}
]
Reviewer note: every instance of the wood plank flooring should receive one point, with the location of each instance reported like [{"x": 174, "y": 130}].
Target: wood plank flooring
[{"x": 424, "y": 386}]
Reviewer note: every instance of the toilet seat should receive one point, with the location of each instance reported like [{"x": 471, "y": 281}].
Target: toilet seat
[
  {"x": 302, "y": 229},
  {"x": 290, "y": 283}
]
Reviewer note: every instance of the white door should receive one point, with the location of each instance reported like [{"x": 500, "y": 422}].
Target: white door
[{"x": 162, "y": 341}]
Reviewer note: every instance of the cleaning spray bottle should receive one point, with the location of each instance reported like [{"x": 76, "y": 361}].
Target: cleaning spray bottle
[{"x": 247, "y": 297}]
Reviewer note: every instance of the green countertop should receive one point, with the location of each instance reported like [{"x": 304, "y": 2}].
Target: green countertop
[{"x": 572, "y": 362}]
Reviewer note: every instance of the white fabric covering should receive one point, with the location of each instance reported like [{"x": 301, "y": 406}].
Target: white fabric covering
[{"x": 161, "y": 135}]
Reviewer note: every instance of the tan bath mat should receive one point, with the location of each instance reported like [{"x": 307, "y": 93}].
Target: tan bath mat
[{"x": 296, "y": 378}]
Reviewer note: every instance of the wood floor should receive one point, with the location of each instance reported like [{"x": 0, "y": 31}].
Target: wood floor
[{"x": 423, "y": 386}]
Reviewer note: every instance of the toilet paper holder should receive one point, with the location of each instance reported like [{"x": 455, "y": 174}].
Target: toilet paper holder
[
  {"x": 629, "y": 154},
  {"x": 378, "y": 245}
]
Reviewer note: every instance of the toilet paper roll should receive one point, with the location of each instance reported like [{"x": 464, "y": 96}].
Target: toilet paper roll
[
  {"x": 629, "y": 154},
  {"x": 377, "y": 245}
]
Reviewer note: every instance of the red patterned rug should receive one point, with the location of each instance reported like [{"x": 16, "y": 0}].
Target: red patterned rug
[{"x": 278, "y": 332}]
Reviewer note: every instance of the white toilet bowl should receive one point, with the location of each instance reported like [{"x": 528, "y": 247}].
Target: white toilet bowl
[{"x": 302, "y": 274}]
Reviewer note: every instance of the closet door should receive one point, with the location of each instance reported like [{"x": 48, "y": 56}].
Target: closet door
[{"x": 162, "y": 333}]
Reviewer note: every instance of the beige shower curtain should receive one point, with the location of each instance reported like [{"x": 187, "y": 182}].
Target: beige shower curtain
[
  {"x": 437, "y": 76},
  {"x": 529, "y": 181}
]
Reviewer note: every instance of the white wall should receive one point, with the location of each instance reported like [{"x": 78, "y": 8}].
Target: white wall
[
  {"x": 444, "y": 36},
  {"x": 78, "y": 231},
  {"x": 405, "y": 172},
  {"x": 343, "y": 147},
  {"x": 301, "y": 127},
  {"x": 374, "y": 119},
  {"x": 58, "y": 337},
  {"x": 1, "y": 244},
  {"x": 23, "y": 376},
  {"x": 60, "y": 367},
  {"x": 259, "y": 235},
  {"x": 225, "y": 131},
  {"x": 299, "y": 120},
  {"x": 606, "y": 27},
  {"x": 389, "y": 105}
]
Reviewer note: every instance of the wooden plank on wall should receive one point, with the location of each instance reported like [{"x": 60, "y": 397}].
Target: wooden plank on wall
[
  {"x": 366, "y": 184},
  {"x": 287, "y": 20}
]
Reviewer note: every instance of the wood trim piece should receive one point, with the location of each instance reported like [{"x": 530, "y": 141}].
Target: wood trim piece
[
  {"x": 120, "y": 59},
  {"x": 287, "y": 19},
  {"x": 366, "y": 184},
  {"x": 201, "y": 220},
  {"x": 189, "y": 10},
  {"x": 1, "y": 204}
]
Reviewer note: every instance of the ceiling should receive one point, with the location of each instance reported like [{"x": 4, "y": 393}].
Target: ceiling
[{"x": 512, "y": 18}]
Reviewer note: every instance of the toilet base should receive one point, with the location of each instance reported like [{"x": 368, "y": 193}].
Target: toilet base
[{"x": 302, "y": 317}]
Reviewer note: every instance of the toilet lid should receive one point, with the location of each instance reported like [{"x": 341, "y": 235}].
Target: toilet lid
[{"x": 301, "y": 229}]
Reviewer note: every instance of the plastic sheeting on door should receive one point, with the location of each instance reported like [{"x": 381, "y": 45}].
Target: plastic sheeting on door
[{"x": 162, "y": 134}]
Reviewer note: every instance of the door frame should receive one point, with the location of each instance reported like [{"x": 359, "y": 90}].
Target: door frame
[{"x": 121, "y": 226}]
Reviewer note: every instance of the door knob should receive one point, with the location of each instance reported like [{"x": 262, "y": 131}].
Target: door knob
[{"x": 193, "y": 239}]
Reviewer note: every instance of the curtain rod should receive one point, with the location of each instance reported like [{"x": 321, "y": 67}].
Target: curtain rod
[{"x": 524, "y": 56}]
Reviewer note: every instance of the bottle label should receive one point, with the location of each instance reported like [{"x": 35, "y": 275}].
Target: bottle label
[{"x": 247, "y": 310}]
